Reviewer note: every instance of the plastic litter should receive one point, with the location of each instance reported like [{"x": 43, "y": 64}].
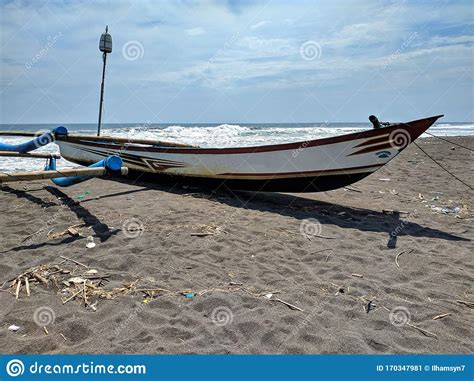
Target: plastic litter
[
  {"x": 446, "y": 209},
  {"x": 90, "y": 242}
]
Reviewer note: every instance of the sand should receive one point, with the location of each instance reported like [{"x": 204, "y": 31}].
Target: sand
[{"x": 329, "y": 254}]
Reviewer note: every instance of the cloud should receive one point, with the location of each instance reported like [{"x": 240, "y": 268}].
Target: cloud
[
  {"x": 195, "y": 31},
  {"x": 260, "y": 24},
  {"x": 245, "y": 50}
]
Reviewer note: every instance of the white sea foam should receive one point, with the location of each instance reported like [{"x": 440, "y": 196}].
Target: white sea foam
[{"x": 231, "y": 135}]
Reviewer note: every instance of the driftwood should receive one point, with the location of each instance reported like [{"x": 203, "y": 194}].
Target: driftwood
[
  {"x": 74, "y": 261},
  {"x": 18, "y": 287},
  {"x": 422, "y": 330},
  {"x": 27, "y": 286},
  {"x": 201, "y": 234},
  {"x": 441, "y": 316},
  {"x": 352, "y": 189},
  {"x": 71, "y": 230},
  {"x": 391, "y": 211},
  {"x": 292, "y": 306},
  {"x": 466, "y": 303},
  {"x": 400, "y": 253},
  {"x": 86, "y": 286},
  {"x": 320, "y": 251}
]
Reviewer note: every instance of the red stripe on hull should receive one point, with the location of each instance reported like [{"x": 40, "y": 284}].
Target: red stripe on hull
[{"x": 373, "y": 149}]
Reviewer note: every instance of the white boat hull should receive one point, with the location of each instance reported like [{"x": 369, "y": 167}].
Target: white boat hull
[{"x": 313, "y": 165}]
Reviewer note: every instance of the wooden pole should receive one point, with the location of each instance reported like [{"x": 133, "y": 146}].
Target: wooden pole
[
  {"x": 101, "y": 93},
  {"x": 19, "y": 133},
  {"x": 37, "y": 155}
]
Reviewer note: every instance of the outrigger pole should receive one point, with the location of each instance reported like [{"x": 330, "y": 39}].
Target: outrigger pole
[{"x": 105, "y": 46}]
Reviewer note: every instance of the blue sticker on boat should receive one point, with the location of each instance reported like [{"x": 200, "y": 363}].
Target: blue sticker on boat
[{"x": 383, "y": 154}]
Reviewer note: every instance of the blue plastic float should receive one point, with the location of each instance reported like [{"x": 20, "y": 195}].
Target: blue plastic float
[
  {"x": 111, "y": 163},
  {"x": 37, "y": 142}
]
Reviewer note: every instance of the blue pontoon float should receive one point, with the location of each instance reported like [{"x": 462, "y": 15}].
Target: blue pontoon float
[{"x": 64, "y": 177}]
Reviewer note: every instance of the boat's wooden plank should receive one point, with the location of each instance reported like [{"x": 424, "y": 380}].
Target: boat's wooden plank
[
  {"x": 112, "y": 139},
  {"x": 36, "y": 155},
  {"x": 116, "y": 139},
  {"x": 19, "y": 133}
]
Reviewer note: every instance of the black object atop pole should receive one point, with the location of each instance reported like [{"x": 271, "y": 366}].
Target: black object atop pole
[{"x": 105, "y": 46}]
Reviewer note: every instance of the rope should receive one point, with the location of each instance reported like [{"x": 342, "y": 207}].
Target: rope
[
  {"x": 452, "y": 174},
  {"x": 446, "y": 140}
]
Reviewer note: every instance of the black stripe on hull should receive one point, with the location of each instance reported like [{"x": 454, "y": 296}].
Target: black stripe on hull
[
  {"x": 307, "y": 184},
  {"x": 296, "y": 184}
]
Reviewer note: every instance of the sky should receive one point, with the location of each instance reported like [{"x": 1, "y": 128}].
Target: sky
[{"x": 236, "y": 61}]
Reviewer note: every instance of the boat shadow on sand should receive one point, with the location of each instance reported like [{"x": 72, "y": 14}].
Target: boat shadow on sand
[
  {"x": 325, "y": 213},
  {"x": 101, "y": 230},
  {"x": 300, "y": 208},
  {"x": 345, "y": 217}
]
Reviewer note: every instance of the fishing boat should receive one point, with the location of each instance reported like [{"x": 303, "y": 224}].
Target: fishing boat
[{"x": 309, "y": 166}]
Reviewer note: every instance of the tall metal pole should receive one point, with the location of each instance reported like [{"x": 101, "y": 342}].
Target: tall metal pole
[
  {"x": 104, "y": 58},
  {"x": 105, "y": 46}
]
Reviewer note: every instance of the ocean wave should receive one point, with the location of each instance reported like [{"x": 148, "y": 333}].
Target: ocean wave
[{"x": 228, "y": 135}]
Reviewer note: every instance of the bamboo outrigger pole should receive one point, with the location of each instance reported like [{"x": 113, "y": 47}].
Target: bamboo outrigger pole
[
  {"x": 43, "y": 175},
  {"x": 34, "y": 155}
]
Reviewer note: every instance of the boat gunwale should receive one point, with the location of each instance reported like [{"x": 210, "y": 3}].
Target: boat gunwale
[{"x": 252, "y": 149}]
